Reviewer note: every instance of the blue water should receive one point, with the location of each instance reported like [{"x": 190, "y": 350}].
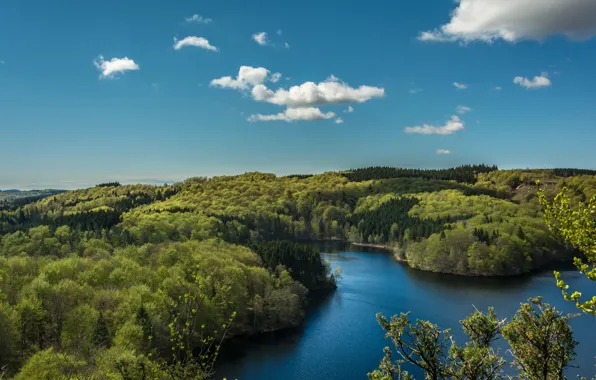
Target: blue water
[{"x": 341, "y": 339}]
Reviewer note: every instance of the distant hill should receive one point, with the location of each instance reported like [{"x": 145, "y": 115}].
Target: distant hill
[{"x": 13, "y": 195}]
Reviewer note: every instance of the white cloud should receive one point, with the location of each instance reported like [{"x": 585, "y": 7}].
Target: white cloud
[
  {"x": 515, "y": 20},
  {"x": 415, "y": 90},
  {"x": 287, "y": 45},
  {"x": 498, "y": 88},
  {"x": 194, "y": 41},
  {"x": 294, "y": 114},
  {"x": 536, "y": 82},
  {"x": 247, "y": 76},
  {"x": 260, "y": 38},
  {"x": 114, "y": 66},
  {"x": 443, "y": 151},
  {"x": 303, "y": 98},
  {"x": 460, "y": 86},
  {"x": 198, "y": 19},
  {"x": 279, "y": 32},
  {"x": 308, "y": 94},
  {"x": 339, "y": 120},
  {"x": 463, "y": 109},
  {"x": 453, "y": 125}
]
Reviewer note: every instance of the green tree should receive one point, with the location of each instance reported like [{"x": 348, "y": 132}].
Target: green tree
[
  {"x": 101, "y": 335},
  {"x": 541, "y": 341},
  {"x": 578, "y": 227},
  {"x": 539, "y": 337}
]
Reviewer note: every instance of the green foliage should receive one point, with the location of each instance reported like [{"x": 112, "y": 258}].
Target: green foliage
[
  {"x": 465, "y": 173},
  {"x": 99, "y": 275},
  {"x": 539, "y": 337},
  {"x": 109, "y": 184},
  {"x": 541, "y": 340},
  {"x": 51, "y": 365},
  {"x": 101, "y": 335},
  {"x": 303, "y": 262},
  {"x": 577, "y": 227}
]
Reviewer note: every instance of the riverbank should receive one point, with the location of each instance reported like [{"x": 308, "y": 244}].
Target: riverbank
[{"x": 383, "y": 246}]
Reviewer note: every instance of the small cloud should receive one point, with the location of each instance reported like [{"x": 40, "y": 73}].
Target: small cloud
[
  {"x": 453, "y": 125},
  {"x": 294, "y": 114},
  {"x": 287, "y": 45},
  {"x": 460, "y": 86},
  {"x": 498, "y": 88},
  {"x": 247, "y": 76},
  {"x": 275, "y": 77},
  {"x": 415, "y": 90},
  {"x": 536, "y": 82},
  {"x": 443, "y": 151},
  {"x": 279, "y": 32},
  {"x": 260, "y": 38},
  {"x": 339, "y": 120},
  {"x": 155, "y": 86},
  {"x": 114, "y": 66},
  {"x": 350, "y": 109},
  {"x": 193, "y": 41},
  {"x": 198, "y": 19},
  {"x": 463, "y": 109},
  {"x": 1, "y": 62}
]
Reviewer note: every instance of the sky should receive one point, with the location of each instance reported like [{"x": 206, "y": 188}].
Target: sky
[{"x": 159, "y": 91}]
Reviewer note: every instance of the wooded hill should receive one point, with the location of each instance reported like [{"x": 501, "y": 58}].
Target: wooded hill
[{"x": 102, "y": 277}]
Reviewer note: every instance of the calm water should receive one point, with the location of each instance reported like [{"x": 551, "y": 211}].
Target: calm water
[{"x": 341, "y": 339}]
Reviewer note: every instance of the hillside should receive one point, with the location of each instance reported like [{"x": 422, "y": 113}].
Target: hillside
[
  {"x": 109, "y": 274},
  {"x": 14, "y": 198},
  {"x": 471, "y": 220}
]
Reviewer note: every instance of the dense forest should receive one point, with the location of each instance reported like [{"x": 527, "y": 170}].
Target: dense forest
[{"x": 138, "y": 279}]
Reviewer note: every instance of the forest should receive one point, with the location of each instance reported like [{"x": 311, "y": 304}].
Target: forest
[{"x": 140, "y": 281}]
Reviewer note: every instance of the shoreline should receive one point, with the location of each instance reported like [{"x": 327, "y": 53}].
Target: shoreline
[{"x": 382, "y": 246}]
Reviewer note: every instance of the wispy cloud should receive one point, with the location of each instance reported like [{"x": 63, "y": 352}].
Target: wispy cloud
[
  {"x": 275, "y": 77},
  {"x": 260, "y": 38},
  {"x": 460, "y": 86},
  {"x": 443, "y": 151},
  {"x": 453, "y": 125},
  {"x": 114, "y": 66},
  {"x": 515, "y": 20},
  {"x": 279, "y": 32},
  {"x": 536, "y": 82},
  {"x": 295, "y": 114},
  {"x": 498, "y": 88},
  {"x": 198, "y": 19},
  {"x": 194, "y": 41},
  {"x": 415, "y": 90},
  {"x": 339, "y": 120},
  {"x": 463, "y": 109},
  {"x": 350, "y": 109}
]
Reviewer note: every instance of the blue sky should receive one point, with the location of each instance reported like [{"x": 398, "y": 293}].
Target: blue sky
[{"x": 114, "y": 90}]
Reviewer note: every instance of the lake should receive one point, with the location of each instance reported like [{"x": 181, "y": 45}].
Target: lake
[{"x": 340, "y": 338}]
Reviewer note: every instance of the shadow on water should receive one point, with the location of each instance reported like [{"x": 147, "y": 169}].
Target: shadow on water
[{"x": 285, "y": 341}]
